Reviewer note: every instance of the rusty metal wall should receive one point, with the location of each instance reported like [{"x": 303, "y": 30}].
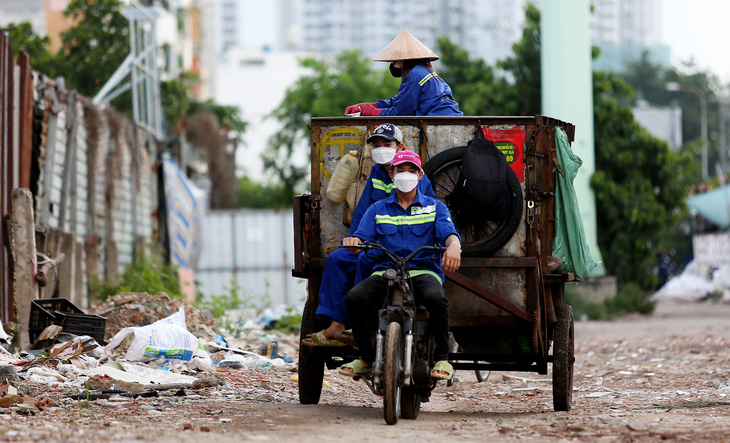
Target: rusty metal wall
[
  {"x": 92, "y": 174},
  {"x": 253, "y": 249}
]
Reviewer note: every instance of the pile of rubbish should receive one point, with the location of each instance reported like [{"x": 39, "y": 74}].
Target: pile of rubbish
[
  {"x": 158, "y": 346},
  {"x": 697, "y": 284},
  {"x": 140, "y": 308}
]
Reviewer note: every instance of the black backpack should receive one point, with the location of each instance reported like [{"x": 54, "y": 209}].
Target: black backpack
[{"x": 481, "y": 192}]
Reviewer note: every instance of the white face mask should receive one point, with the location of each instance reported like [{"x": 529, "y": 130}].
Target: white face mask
[
  {"x": 405, "y": 181},
  {"x": 383, "y": 155}
]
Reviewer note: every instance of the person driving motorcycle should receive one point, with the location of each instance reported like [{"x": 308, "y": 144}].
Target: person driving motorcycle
[
  {"x": 401, "y": 223},
  {"x": 340, "y": 270}
]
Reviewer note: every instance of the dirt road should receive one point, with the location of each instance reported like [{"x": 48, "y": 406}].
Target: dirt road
[{"x": 636, "y": 379}]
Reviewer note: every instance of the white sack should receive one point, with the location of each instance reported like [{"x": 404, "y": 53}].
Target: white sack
[{"x": 166, "y": 339}]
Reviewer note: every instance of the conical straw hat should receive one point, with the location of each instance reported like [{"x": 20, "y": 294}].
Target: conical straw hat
[{"x": 405, "y": 47}]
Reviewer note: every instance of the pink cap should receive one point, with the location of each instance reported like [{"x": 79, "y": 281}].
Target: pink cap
[{"x": 406, "y": 157}]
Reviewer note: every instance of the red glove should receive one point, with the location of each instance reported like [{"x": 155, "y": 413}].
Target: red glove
[
  {"x": 369, "y": 109},
  {"x": 356, "y": 108}
]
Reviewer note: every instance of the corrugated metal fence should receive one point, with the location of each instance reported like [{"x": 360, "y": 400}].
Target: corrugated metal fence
[
  {"x": 91, "y": 171},
  {"x": 253, "y": 250}
]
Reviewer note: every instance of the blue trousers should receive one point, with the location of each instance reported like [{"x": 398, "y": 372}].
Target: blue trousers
[{"x": 342, "y": 271}]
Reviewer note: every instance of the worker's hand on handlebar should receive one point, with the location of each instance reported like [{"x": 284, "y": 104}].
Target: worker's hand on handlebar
[
  {"x": 451, "y": 260},
  {"x": 351, "y": 241}
]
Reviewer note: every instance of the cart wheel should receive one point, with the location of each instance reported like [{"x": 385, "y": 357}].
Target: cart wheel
[
  {"x": 410, "y": 403},
  {"x": 454, "y": 348},
  {"x": 477, "y": 239},
  {"x": 392, "y": 373},
  {"x": 563, "y": 359},
  {"x": 482, "y": 375},
  {"x": 311, "y": 365}
]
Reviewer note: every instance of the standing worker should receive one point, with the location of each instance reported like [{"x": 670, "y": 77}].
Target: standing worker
[{"x": 422, "y": 92}]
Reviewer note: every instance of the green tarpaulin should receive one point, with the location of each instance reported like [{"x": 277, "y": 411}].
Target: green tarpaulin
[{"x": 569, "y": 242}]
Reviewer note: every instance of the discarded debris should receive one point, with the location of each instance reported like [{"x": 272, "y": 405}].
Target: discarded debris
[{"x": 141, "y": 309}]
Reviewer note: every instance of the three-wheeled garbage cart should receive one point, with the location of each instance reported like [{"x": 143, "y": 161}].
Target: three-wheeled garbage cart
[{"x": 506, "y": 302}]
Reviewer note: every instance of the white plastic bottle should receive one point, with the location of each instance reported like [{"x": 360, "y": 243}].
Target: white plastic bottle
[{"x": 345, "y": 173}]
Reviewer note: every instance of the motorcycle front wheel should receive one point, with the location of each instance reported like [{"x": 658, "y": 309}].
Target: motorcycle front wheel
[{"x": 392, "y": 373}]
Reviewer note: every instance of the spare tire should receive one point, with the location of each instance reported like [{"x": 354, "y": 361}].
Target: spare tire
[{"x": 478, "y": 239}]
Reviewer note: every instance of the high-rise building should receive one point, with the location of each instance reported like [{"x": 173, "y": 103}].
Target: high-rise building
[
  {"x": 230, "y": 24},
  {"x": 18, "y": 11},
  {"x": 626, "y": 22},
  {"x": 623, "y": 30},
  {"x": 485, "y": 28},
  {"x": 332, "y": 26}
]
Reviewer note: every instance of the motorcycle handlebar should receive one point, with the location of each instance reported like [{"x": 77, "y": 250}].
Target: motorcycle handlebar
[{"x": 365, "y": 246}]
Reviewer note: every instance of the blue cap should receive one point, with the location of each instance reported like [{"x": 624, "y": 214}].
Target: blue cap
[{"x": 388, "y": 131}]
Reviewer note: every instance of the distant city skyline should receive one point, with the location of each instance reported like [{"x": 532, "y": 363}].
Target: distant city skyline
[{"x": 681, "y": 25}]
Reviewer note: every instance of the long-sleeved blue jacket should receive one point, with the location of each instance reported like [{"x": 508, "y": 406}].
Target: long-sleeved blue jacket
[{"x": 421, "y": 92}]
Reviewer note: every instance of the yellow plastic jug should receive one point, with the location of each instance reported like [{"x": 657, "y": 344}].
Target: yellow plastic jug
[{"x": 345, "y": 173}]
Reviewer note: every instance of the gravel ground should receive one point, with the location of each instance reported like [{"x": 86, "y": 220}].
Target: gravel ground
[{"x": 664, "y": 377}]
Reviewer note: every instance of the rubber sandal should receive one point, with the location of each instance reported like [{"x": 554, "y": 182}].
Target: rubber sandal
[
  {"x": 346, "y": 338},
  {"x": 442, "y": 366},
  {"x": 320, "y": 339},
  {"x": 357, "y": 369}
]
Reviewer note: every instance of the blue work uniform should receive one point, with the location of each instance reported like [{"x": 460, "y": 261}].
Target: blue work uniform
[
  {"x": 421, "y": 92},
  {"x": 426, "y": 221},
  {"x": 344, "y": 268}
]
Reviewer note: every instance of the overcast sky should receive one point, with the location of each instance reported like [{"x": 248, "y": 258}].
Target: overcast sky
[{"x": 699, "y": 29}]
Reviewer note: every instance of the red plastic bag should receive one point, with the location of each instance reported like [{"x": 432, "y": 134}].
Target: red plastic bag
[{"x": 512, "y": 144}]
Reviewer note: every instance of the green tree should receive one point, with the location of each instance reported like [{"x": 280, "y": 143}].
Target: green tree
[
  {"x": 325, "y": 91},
  {"x": 650, "y": 81},
  {"x": 510, "y": 88},
  {"x": 259, "y": 195},
  {"x": 474, "y": 83},
  {"x": 640, "y": 185},
  {"x": 524, "y": 68},
  {"x": 23, "y": 38},
  {"x": 95, "y": 46}
]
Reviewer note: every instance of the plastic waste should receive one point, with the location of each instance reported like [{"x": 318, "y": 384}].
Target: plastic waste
[
  {"x": 248, "y": 360},
  {"x": 164, "y": 340},
  {"x": 345, "y": 173},
  {"x": 219, "y": 339}
]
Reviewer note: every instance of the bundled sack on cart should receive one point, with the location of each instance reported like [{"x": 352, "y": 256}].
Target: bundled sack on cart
[{"x": 481, "y": 192}]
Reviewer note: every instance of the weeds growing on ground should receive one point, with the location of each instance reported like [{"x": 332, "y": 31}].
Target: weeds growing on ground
[{"x": 149, "y": 274}]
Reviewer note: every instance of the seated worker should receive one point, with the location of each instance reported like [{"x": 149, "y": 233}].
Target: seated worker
[
  {"x": 342, "y": 265},
  {"x": 421, "y": 92},
  {"x": 402, "y": 223}
]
